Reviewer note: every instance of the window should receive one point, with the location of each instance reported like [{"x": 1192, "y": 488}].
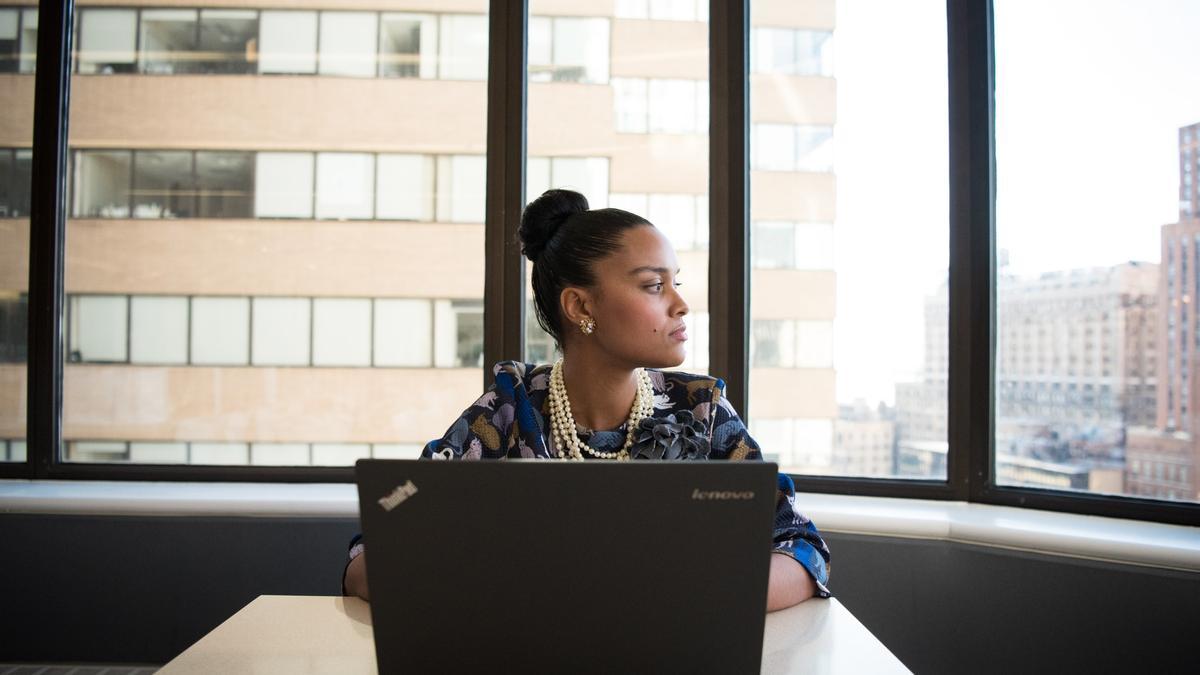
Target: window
[
  {"x": 220, "y": 331},
  {"x": 803, "y": 209},
  {"x": 463, "y": 47},
  {"x": 661, "y": 106},
  {"x": 460, "y": 196},
  {"x": 107, "y": 41},
  {"x": 9, "y": 40},
  {"x": 344, "y": 185},
  {"x": 288, "y": 42},
  {"x": 15, "y": 174},
  {"x": 787, "y": 147},
  {"x": 341, "y": 332},
  {"x": 1061, "y": 277},
  {"x": 162, "y": 185},
  {"x": 404, "y": 187},
  {"x": 568, "y": 49},
  {"x": 280, "y": 331},
  {"x": 283, "y": 185},
  {"x": 665, "y": 10},
  {"x": 458, "y": 326},
  {"x": 408, "y": 45},
  {"x": 99, "y": 328},
  {"x": 158, "y": 330},
  {"x": 224, "y": 184},
  {"x": 228, "y": 41},
  {"x": 587, "y": 175},
  {"x": 168, "y": 40},
  {"x": 14, "y": 326},
  {"x": 348, "y": 42},
  {"x": 102, "y": 184},
  {"x": 403, "y": 333},
  {"x": 791, "y": 51}
]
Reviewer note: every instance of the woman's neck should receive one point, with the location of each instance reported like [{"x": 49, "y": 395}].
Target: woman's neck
[{"x": 601, "y": 394}]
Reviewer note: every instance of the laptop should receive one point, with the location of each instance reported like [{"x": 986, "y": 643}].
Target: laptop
[{"x": 590, "y": 567}]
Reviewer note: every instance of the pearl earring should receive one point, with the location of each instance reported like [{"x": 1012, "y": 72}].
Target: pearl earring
[{"x": 587, "y": 326}]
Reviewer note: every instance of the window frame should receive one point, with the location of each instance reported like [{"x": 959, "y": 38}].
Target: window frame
[{"x": 972, "y": 289}]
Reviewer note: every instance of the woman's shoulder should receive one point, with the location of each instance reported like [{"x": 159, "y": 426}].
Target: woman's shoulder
[
  {"x": 693, "y": 388},
  {"x": 509, "y": 374}
]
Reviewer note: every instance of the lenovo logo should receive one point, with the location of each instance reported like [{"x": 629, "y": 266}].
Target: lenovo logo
[
  {"x": 397, "y": 496},
  {"x": 724, "y": 495}
]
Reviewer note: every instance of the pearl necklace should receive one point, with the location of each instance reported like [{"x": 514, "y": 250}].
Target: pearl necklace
[{"x": 562, "y": 422}]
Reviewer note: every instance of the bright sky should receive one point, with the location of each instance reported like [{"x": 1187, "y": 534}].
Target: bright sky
[{"x": 1090, "y": 97}]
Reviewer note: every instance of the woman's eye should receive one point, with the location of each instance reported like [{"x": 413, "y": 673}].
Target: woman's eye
[{"x": 657, "y": 287}]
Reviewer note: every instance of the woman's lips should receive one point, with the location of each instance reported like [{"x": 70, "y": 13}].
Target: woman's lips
[{"x": 680, "y": 334}]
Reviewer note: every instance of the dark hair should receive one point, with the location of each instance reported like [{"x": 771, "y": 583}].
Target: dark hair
[{"x": 564, "y": 240}]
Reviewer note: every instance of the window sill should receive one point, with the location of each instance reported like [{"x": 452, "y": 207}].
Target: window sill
[{"x": 1087, "y": 537}]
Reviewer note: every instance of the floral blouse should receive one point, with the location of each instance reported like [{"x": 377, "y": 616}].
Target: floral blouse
[{"x": 511, "y": 420}]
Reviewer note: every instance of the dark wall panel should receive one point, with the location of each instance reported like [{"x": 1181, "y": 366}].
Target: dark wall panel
[
  {"x": 141, "y": 590},
  {"x": 954, "y": 608}
]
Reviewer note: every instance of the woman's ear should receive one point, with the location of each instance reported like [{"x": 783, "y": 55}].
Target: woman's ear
[{"x": 576, "y": 305}]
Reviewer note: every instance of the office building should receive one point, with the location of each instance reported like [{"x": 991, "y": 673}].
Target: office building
[{"x": 275, "y": 233}]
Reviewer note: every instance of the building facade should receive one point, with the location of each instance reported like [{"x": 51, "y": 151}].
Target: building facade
[{"x": 275, "y": 238}]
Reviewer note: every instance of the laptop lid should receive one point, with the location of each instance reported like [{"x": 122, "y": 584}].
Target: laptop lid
[{"x": 555, "y": 566}]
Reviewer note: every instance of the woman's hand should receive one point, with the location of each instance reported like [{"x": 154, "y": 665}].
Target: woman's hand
[
  {"x": 789, "y": 583},
  {"x": 356, "y": 577}
]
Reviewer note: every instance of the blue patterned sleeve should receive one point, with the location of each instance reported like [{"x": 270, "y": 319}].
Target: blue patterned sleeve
[
  {"x": 795, "y": 535},
  {"x": 483, "y": 430}
]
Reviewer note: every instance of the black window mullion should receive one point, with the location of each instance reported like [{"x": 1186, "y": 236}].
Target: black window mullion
[
  {"x": 47, "y": 233},
  {"x": 504, "y": 267},
  {"x": 970, "y": 396},
  {"x": 729, "y": 198}
]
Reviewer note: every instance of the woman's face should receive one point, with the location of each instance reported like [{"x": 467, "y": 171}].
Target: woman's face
[{"x": 636, "y": 302}]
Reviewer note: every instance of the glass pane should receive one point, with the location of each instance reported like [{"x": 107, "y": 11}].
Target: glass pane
[
  {"x": 266, "y": 208},
  {"x": 1097, "y": 354},
  {"x": 17, "y": 28},
  {"x": 288, "y": 42},
  {"x": 618, "y": 111},
  {"x": 228, "y": 41},
  {"x": 848, "y": 316},
  {"x": 168, "y": 40}
]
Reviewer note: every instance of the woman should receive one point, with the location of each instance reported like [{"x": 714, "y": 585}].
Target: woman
[{"x": 605, "y": 285}]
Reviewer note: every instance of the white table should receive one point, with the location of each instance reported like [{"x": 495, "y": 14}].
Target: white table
[{"x": 327, "y": 634}]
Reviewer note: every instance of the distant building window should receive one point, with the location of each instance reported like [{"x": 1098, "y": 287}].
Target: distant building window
[
  {"x": 660, "y": 106},
  {"x": 107, "y": 41},
  {"x": 790, "y": 343},
  {"x": 228, "y": 41},
  {"x": 220, "y": 331},
  {"x": 16, "y": 167},
  {"x": 280, "y": 331},
  {"x": 408, "y": 45},
  {"x": 224, "y": 183},
  {"x": 14, "y": 327},
  {"x": 162, "y": 185},
  {"x": 98, "y": 326},
  {"x": 288, "y": 42},
  {"x": 790, "y": 245},
  {"x": 462, "y": 47},
  {"x": 283, "y": 185},
  {"x": 459, "y": 330},
  {"x": 345, "y": 185},
  {"x": 588, "y": 175},
  {"x": 461, "y": 188},
  {"x": 568, "y": 49},
  {"x": 158, "y": 330},
  {"x": 102, "y": 183},
  {"x": 169, "y": 40},
  {"x": 663, "y": 10},
  {"x": 791, "y": 147},
  {"x": 404, "y": 187},
  {"x": 403, "y": 333},
  {"x": 341, "y": 332},
  {"x": 790, "y": 51},
  {"x": 348, "y": 43}
]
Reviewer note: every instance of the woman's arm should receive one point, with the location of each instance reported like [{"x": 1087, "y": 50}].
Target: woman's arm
[
  {"x": 355, "y": 581},
  {"x": 790, "y": 584}
]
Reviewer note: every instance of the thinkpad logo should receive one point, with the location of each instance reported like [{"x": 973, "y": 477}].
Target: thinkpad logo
[
  {"x": 723, "y": 495},
  {"x": 398, "y": 496}
]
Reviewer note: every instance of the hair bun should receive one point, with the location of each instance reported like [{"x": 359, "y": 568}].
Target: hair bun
[{"x": 544, "y": 216}]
